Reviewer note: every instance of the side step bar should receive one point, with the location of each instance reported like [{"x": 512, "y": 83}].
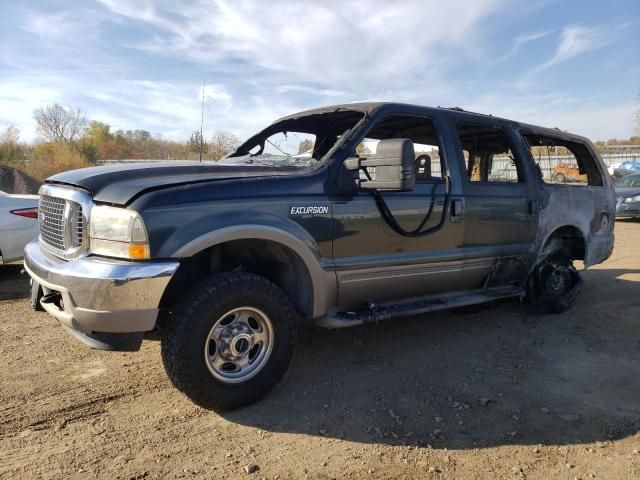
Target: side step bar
[{"x": 415, "y": 306}]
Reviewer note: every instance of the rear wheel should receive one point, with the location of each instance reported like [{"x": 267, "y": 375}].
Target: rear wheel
[
  {"x": 230, "y": 341},
  {"x": 554, "y": 285}
]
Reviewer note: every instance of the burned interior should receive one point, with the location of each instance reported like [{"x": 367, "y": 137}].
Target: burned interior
[{"x": 542, "y": 146}]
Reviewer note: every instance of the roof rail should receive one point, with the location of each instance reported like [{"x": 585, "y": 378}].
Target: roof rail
[{"x": 459, "y": 109}]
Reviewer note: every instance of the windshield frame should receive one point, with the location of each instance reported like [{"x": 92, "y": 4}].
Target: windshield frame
[{"x": 292, "y": 124}]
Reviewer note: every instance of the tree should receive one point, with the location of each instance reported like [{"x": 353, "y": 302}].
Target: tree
[
  {"x": 222, "y": 143},
  {"x": 56, "y": 123},
  {"x": 11, "y": 152},
  {"x": 98, "y": 133},
  {"x": 362, "y": 150},
  {"x": 305, "y": 145},
  {"x": 10, "y": 134},
  {"x": 194, "y": 143},
  {"x": 53, "y": 157},
  {"x": 600, "y": 145}
]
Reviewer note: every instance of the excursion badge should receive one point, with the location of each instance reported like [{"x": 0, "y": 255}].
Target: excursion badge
[{"x": 310, "y": 209}]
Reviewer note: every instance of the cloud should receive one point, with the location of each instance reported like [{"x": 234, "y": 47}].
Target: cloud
[
  {"x": 72, "y": 27},
  {"x": 350, "y": 43},
  {"x": 142, "y": 64},
  {"x": 18, "y": 99},
  {"x": 217, "y": 94},
  {"x": 587, "y": 116},
  {"x": 324, "y": 92},
  {"x": 522, "y": 40},
  {"x": 578, "y": 39}
]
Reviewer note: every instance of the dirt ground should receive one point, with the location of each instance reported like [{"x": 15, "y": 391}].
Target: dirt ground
[{"x": 499, "y": 392}]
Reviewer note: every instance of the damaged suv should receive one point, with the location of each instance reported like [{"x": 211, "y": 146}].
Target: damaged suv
[{"x": 342, "y": 215}]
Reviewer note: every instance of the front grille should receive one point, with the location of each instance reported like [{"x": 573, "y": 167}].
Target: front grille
[
  {"x": 77, "y": 225},
  {"x": 51, "y": 212},
  {"x": 61, "y": 223}
]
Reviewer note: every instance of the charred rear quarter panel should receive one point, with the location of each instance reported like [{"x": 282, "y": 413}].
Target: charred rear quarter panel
[{"x": 590, "y": 209}]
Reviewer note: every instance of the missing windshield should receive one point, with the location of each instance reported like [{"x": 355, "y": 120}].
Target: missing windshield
[{"x": 296, "y": 142}]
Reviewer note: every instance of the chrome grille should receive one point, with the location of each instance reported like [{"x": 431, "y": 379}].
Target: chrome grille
[
  {"x": 63, "y": 220},
  {"x": 51, "y": 212},
  {"x": 77, "y": 225}
]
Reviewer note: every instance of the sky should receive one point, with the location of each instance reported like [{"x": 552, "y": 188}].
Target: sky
[{"x": 141, "y": 64}]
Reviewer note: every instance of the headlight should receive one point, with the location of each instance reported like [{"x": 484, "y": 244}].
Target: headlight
[
  {"x": 632, "y": 199},
  {"x": 117, "y": 232}
]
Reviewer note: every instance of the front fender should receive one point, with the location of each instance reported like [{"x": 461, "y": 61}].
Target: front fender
[{"x": 224, "y": 227}]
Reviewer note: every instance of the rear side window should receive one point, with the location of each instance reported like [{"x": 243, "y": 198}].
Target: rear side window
[
  {"x": 563, "y": 162},
  {"x": 487, "y": 154}
]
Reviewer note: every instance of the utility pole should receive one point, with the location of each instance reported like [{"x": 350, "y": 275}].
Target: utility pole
[{"x": 202, "y": 119}]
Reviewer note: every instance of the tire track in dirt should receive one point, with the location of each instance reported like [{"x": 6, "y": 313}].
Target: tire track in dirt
[{"x": 76, "y": 410}]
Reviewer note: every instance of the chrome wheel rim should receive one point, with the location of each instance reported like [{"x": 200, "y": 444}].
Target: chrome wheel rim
[{"x": 239, "y": 344}]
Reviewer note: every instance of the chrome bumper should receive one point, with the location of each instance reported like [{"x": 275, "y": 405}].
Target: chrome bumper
[{"x": 100, "y": 295}]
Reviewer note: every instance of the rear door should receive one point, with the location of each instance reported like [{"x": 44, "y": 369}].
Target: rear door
[{"x": 500, "y": 208}]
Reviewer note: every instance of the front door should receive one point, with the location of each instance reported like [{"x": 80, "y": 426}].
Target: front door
[{"x": 375, "y": 263}]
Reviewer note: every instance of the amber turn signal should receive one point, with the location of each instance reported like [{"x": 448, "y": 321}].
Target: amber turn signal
[{"x": 138, "y": 251}]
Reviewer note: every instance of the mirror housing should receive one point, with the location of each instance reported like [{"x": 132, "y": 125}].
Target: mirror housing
[{"x": 391, "y": 168}]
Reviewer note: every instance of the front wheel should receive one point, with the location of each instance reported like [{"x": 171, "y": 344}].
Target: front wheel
[{"x": 230, "y": 341}]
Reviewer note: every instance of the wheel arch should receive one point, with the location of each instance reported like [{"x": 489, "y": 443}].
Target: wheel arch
[
  {"x": 568, "y": 238},
  {"x": 277, "y": 255}
]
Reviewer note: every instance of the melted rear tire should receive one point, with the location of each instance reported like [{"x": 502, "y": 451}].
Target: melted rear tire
[{"x": 554, "y": 285}]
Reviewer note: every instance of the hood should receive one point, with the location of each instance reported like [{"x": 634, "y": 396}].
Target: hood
[
  {"x": 627, "y": 192},
  {"x": 119, "y": 184}
]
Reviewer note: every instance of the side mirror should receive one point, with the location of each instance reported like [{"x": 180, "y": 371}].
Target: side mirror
[{"x": 391, "y": 168}]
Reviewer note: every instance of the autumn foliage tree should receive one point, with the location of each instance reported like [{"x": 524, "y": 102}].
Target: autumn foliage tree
[
  {"x": 11, "y": 151},
  {"x": 222, "y": 142},
  {"x": 49, "y": 158},
  {"x": 305, "y": 145}
]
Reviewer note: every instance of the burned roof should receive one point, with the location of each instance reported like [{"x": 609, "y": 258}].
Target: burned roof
[{"x": 369, "y": 108}]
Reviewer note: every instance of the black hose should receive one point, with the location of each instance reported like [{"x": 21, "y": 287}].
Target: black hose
[{"x": 418, "y": 232}]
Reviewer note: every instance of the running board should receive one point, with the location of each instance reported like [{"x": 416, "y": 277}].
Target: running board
[{"x": 415, "y": 306}]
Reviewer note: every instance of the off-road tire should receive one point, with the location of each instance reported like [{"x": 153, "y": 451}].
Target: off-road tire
[
  {"x": 550, "y": 300},
  {"x": 186, "y": 332}
]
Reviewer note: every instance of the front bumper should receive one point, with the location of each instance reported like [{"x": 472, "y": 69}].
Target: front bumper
[{"x": 99, "y": 297}]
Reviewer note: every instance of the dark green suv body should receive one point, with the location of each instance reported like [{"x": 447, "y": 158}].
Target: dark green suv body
[{"x": 345, "y": 215}]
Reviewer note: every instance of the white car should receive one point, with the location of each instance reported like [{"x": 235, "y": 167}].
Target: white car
[{"x": 18, "y": 225}]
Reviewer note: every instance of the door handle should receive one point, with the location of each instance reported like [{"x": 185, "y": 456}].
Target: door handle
[{"x": 457, "y": 210}]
